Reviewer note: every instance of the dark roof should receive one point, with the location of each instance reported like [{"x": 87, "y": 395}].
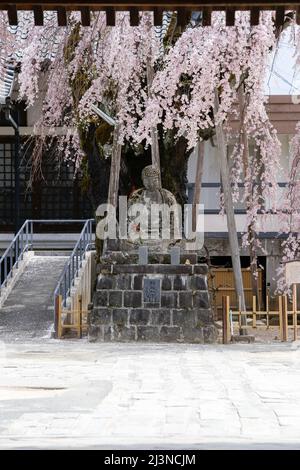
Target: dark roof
[{"x": 183, "y": 8}]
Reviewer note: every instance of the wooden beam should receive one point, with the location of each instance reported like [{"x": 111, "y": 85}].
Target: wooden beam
[
  {"x": 279, "y": 17},
  {"x": 110, "y": 17},
  {"x": 298, "y": 15},
  {"x": 182, "y": 7},
  {"x": 165, "y": 4},
  {"x": 12, "y": 15},
  {"x": 61, "y": 16},
  {"x": 206, "y": 17},
  {"x": 182, "y": 17},
  {"x": 38, "y": 15},
  {"x": 134, "y": 16},
  {"x": 157, "y": 16},
  {"x": 230, "y": 16},
  {"x": 254, "y": 16},
  {"x": 85, "y": 16}
]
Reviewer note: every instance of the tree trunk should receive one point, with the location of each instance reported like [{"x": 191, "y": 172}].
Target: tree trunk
[
  {"x": 198, "y": 182},
  {"x": 174, "y": 161},
  {"x": 232, "y": 232}
]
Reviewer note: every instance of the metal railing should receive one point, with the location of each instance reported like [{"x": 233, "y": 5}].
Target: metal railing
[
  {"x": 74, "y": 263},
  {"x": 23, "y": 242},
  {"x": 20, "y": 244}
]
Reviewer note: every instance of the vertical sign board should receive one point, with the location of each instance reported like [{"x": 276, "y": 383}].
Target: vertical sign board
[
  {"x": 292, "y": 272},
  {"x": 151, "y": 291}
]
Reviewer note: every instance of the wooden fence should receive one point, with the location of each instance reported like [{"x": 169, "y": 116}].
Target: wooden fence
[
  {"x": 287, "y": 319},
  {"x": 74, "y": 316},
  {"x": 221, "y": 282}
]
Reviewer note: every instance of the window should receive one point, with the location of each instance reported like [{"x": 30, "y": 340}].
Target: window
[{"x": 19, "y": 114}]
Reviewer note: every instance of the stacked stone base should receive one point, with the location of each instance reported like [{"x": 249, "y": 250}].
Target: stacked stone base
[{"x": 182, "y": 314}]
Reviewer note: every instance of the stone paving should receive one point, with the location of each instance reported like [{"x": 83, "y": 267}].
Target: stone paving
[{"x": 73, "y": 394}]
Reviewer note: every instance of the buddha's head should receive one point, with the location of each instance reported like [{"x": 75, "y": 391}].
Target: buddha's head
[{"x": 150, "y": 177}]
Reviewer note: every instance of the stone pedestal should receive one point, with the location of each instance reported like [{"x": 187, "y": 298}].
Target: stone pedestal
[{"x": 154, "y": 302}]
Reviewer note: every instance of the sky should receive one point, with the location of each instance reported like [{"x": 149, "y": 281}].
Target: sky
[{"x": 283, "y": 77}]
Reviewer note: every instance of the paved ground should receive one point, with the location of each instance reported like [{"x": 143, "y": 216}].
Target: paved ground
[
  {"x": 27, "y": 314},
  {"x": 72, "y": 394}
]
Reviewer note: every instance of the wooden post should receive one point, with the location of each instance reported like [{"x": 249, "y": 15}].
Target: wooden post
[
  {"x": 57, "y": 318},
  {"x": 75, "y": 320},
  {"x": 232, "y": 232},
  {"x": 114, "y": 169},
  {"x": 198, "y": 181},
  {"x": 254, "y": 311},
  {"x": 113, "y": 188},
  {"x": 225, "y": 314},
  {"x": 154, "y": 133},
  {"x": 295, "y": 319},
  {"x": 240, "y": 314},
  {"x": 284, "y": 319},
  {"x": 267, "y": 310},
  {"x": 280, "y": 316},
  {"x": 79, "y": 306},
  {"x": 228, "y": 319}
]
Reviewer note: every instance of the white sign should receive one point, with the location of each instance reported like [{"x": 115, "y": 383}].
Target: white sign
[{"x": 292, "y": 272}]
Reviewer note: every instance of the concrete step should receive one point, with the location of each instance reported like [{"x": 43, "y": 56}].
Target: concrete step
[
  {"x": 27, "y": 313},
  {"x": 52, "y": 253}
]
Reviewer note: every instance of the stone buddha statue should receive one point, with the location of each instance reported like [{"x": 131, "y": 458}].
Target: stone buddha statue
[{"x": 153, "y": 214}]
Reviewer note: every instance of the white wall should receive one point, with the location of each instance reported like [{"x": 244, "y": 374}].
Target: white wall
[
  {"x": 211, "y": 169},
  {"x": 210, "y": 196}
]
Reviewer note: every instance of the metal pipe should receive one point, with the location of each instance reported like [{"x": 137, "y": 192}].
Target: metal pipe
[
  {"x": 103, "y": 115},
  {"x": 16, "y": 163},
  {"x": 26, "y": 235}
]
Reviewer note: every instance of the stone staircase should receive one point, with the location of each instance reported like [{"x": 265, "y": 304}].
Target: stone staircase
[{"x": 27, "y": 313}]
